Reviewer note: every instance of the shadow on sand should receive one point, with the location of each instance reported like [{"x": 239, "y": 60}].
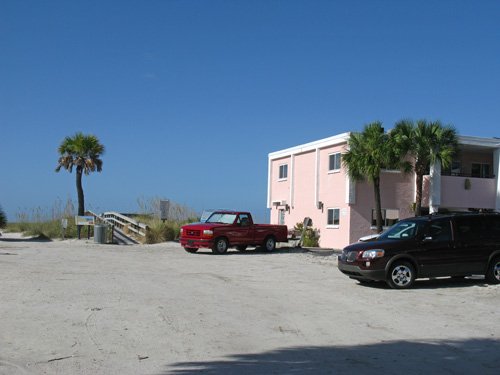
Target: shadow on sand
[
  {"x": 25, "y": 239},
  {"x": 435, "y": 283},
  {"x": 479, "y": 356},
  {"x": 253, "y": 251}
]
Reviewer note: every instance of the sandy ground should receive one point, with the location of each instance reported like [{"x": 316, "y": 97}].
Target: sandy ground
[{"x": 75, "y": 307}]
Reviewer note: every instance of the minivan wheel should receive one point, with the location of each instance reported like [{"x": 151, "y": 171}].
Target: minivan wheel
[
  {"x": 401, "y": 275},
  {"x": 493, "y": 273},
  {"x": 220, "y": 246}
]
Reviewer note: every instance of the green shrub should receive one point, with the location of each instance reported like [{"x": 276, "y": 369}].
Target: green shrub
[
  {"x": 311, "y": 235},
  {"x": 3, "y": 218},
  {"x": 159, "y": 231}
]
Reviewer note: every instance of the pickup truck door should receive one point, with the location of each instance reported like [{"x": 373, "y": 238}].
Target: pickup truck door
[{"x": 242, "y": 232}]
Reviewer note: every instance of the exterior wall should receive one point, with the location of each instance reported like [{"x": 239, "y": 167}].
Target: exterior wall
[
  {"x": 332, "y": 193},
  {"x": 304, "y": 186},
  {"x": 482, "y": 192},
  {"x": 311, "y": 189},
  {"x": 397, "y": 192},
  {"x": 280, "y": 189}
]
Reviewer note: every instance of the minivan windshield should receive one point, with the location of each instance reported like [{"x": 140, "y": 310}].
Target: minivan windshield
[{"x": 402, "y": 230}]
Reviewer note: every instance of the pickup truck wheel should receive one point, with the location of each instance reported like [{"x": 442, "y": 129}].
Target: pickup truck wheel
[
  {"x": 220, "y": 246},
  {"x": 191, "y": 249},
  {"x": 270, "y": 243},
  {"x": 493, "y": 273},
  {"x": 401, "y": 275}
]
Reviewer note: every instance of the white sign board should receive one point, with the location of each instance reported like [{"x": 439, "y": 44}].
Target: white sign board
[{"x": 84, "y": 220}]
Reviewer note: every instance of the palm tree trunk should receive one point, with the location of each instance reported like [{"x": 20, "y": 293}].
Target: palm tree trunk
[
  {"x": 418, "y": 198},
  {"x": 378, "y": 205},
  {"x": 79, "y": 189}
]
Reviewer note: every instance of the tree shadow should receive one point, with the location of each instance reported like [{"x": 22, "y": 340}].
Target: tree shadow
[{"x": 447, "y": 356}]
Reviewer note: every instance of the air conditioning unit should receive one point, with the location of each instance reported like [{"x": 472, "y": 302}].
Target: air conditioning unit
[{"x": 276, "y": 203}]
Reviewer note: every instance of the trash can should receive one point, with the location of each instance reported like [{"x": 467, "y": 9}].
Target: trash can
[{"x": 100, "y": 233}]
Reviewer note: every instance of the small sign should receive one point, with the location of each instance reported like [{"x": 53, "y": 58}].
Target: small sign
[
  {"x": 64, "y": 223},
  {"x": 164, "y": 209},
  {"x": 84, "y": 220}
]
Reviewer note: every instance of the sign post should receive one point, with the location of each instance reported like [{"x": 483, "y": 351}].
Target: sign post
[{"x": 64, "y": 226}]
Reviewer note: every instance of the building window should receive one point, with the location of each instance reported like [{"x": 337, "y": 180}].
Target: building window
[
  {"x": 333, "y": 219},
  {"x": 389, "y": 217},
  {"x": 480, "y": 170},
  {"x": 454, "y": 169},
  {"x": 281, "y": 217},
  {"x": 334, "y": 162},
  {"x": 283, "y": 174}
]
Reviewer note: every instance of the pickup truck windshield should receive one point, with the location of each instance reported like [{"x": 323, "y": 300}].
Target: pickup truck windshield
[
  {"x": 221, "y": 218},
  {"x": 403, "y": 230}
]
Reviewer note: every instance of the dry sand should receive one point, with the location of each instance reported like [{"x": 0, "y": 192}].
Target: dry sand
[{"x": 75, "y": 307}]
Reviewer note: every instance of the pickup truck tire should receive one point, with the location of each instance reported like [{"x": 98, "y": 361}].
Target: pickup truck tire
[
  {"x": 191, "y": 249},
  {"x": 270, "y": 243},
  {"x": 220, "y": 246}
]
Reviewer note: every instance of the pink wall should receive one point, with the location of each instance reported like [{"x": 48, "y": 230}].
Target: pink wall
[
  {"x": 304, "y": 188},
  {"x": 332, "y": 192},
  {"x": 482, "y": 192},
  {"x": 280, "y": 190},
  {"x": 355, "y": 220},
  {"x": 397, "y": 192}
]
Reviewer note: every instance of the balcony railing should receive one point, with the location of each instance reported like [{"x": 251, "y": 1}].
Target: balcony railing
[{"x": 455, "y": 174}]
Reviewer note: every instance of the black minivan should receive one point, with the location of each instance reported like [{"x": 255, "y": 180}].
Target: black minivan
[{"x": 428, "y": 246}]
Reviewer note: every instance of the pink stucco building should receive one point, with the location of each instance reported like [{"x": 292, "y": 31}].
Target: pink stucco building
[{"x": 309, "y": 181}]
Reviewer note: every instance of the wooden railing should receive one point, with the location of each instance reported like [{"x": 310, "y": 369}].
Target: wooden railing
[{"x": 125, "y": 223}]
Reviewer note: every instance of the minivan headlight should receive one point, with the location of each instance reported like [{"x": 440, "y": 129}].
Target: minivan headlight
[{"x": 372, "y": 254}]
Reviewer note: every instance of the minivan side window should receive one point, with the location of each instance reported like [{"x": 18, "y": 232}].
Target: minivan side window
[
  {"x": 440, "y": 230},
  {"x": 468, "y": 228}
]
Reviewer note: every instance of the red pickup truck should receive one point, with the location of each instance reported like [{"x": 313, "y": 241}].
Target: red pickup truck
[{"x": 225, "y": 229}]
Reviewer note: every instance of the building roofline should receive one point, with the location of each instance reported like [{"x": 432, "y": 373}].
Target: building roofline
[
  {"x": 479, "y": 141},
  {"x": 343, "y": 137},
  {"x": 321, "y": 143}
]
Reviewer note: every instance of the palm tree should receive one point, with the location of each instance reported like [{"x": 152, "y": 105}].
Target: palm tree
[
  {"x": 82, "y": 152},
  {"x": 427, "y": 143},
  {"x": 369, "y": 152}
]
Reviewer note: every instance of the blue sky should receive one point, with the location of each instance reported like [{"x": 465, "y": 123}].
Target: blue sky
[{"x": 190, "y": 96}]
